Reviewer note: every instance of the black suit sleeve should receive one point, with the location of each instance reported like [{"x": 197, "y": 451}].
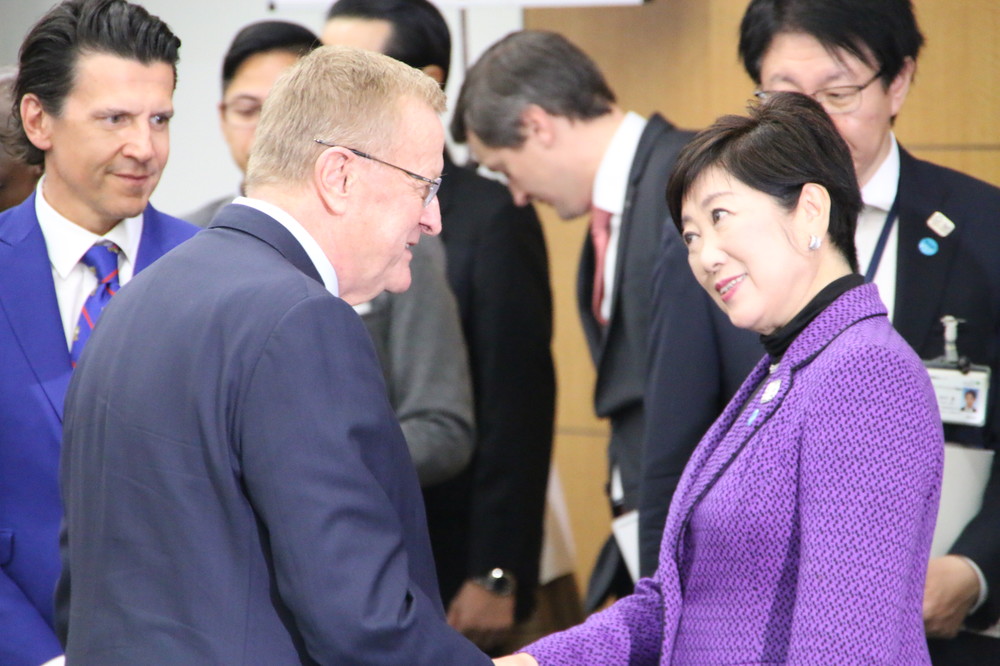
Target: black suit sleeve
[
  {"x": 698, "y": 360},
  {"x": 508, "y": 325}
]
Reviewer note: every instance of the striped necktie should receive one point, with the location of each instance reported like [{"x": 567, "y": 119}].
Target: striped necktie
[{"x": 103, "y": 260}]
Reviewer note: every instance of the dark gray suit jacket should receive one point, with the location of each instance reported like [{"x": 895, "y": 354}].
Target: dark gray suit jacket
[
  {"x": 419, "y": 342},
  {"x": 491, "y": 514},
  {"x": 619, "y": 349},
  {"x": 237, "y": 489}
]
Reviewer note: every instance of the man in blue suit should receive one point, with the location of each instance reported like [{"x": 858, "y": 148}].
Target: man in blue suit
[
  {"x": 94, "y": 90},
  {"x": 237, "y": 488}
]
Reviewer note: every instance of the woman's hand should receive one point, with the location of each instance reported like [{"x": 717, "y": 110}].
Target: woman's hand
[{"x": 522, "y": 659}]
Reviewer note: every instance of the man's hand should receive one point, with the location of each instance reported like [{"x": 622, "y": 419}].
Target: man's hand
[
  {"x": 951, "y": 589},
  {"x": 483, "y": 617}
]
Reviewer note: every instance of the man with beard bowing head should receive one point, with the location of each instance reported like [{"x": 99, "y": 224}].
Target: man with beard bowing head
[{"x": 800, "y": 529}]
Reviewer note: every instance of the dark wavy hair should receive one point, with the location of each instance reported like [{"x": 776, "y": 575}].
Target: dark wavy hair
[
  {"x": 523, "y": 68},
  {"x": 49, "y": 53}
]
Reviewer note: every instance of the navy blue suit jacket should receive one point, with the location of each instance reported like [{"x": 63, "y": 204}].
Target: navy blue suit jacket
[
  {"x": 961, "y": 279},
  {"x": 237, "y": 488},
  {"x": 35, "y": 372}
]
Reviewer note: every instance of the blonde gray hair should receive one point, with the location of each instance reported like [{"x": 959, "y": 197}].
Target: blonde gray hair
[{"x": 338, "y": 94}]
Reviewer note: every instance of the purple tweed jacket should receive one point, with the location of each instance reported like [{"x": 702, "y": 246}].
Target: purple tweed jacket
[{"x": 800, "y": 530}]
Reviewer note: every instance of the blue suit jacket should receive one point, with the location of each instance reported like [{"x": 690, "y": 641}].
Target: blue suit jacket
[
  {"x": 237, "y": 488},
  {"x": 35, "y": 372}
]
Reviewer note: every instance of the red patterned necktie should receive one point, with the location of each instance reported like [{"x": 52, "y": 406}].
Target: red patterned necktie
[
  {"x": 600, "y": 234},
  {"x": 103, "y": 260}
]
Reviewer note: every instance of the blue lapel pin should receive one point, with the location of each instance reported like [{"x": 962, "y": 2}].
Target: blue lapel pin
[{"x": 928, "y": 246}]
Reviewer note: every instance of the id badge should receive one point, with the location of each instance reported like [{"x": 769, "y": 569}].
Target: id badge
[{"x": 961, "y": 396}]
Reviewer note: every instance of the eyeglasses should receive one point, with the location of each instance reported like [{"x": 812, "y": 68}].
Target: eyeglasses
[
  {"x": 432, "y": 184},
  {"x": 241, "y": 113},
  {"x": 838, "y": 99}
]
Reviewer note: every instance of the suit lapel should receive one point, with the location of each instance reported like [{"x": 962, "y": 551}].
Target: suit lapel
[
  {"x": 655, "y": 126},
  {"x": 265, "y": 228},
  {"x": 28, "y": 302},
  {"x": 594, "y": 333},
  {"x": 743, "y": 416},
  {"x": 152, "y": 244},
  {"x": 748, "y": 411},
  {"x": 918, "y": 277}
]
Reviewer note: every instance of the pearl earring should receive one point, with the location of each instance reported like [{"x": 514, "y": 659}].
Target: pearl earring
[{"x": 814, "y": 242}]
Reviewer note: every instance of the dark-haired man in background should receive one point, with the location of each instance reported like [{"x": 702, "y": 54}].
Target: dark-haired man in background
[
  {"x": 94, "y": 92},
  {"x": 257, "y": 56},
  {"x": 486, "y": 524}
]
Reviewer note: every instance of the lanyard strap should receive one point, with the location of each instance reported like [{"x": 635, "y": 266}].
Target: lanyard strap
[{"x": 883, "y": 237}]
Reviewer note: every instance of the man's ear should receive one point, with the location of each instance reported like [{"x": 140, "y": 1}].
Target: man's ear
[
  {"x": 335, "y": 178},
  {"x": 36, "y": 121},
  {"x": 900, "y": 86},
  {"x": 536, "y": 123}
]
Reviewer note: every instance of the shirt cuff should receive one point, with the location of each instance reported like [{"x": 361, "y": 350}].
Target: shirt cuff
[{"x": 983, "y": 588}]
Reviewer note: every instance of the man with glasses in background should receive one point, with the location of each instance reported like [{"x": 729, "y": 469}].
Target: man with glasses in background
[{"x": 257, "y": 56}]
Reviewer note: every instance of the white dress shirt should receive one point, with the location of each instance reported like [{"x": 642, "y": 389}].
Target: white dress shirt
[
  {"x": 610, "y": 190},
  {"x": 66, "y": 243},
  {"x": 878, "y": 195}
]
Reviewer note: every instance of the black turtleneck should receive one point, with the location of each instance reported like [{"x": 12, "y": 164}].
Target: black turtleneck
[{"x": 777, "y": 343}]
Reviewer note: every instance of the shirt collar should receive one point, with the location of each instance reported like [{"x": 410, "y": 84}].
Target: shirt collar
[
  {"x": 611, "y": 182},
  {"x": 880, "y": 191},
  {"x": 67, "y": 241},
  {"x": 316, "y": 255}
]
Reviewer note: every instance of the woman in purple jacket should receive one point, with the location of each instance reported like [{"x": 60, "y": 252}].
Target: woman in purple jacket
[{"x": 801, "y": 528}]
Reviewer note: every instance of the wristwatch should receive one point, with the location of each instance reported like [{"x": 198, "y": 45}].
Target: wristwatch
[{"x": 498, "y": 581}]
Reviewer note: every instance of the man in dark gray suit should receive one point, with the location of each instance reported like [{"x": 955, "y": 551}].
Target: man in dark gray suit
[
  {"x": 237, "y": 488},
  {"x": 536, "y": 108}
]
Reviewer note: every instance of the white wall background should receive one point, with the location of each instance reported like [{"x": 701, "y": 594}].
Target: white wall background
[{"x": 200, "y": 168}]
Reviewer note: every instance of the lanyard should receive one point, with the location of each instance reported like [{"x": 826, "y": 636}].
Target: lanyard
[{"x": 883, "y": 237}]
